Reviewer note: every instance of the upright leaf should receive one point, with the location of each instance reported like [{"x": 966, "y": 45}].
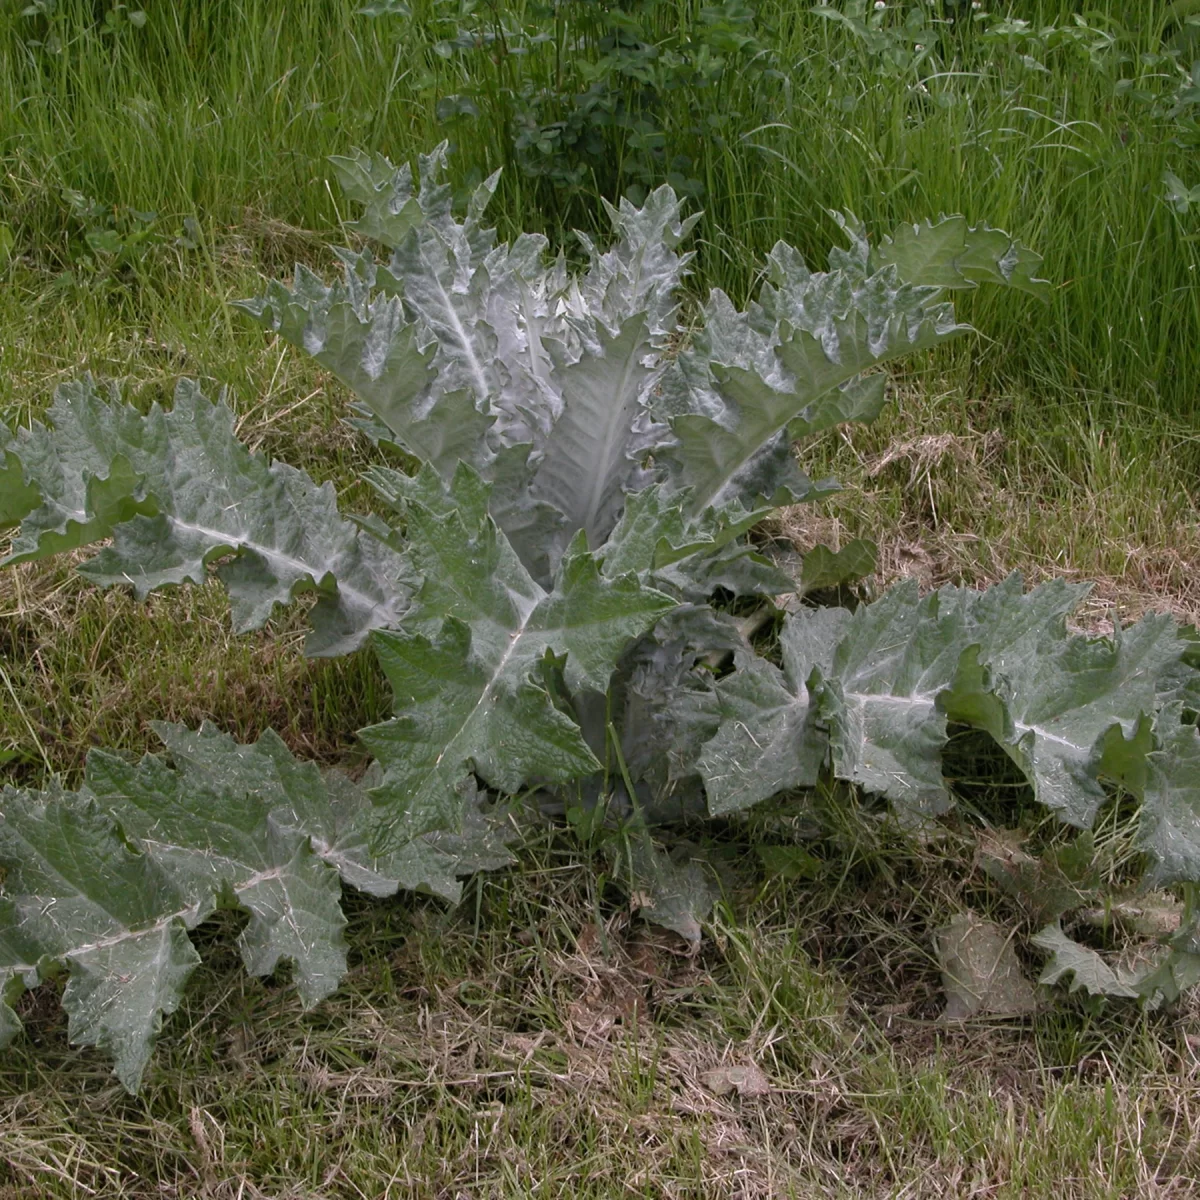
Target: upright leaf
[
  {"x": 593, "y": 454},
  {"x": 792, "y": 364},
  {"x": 467, "y": 671}
]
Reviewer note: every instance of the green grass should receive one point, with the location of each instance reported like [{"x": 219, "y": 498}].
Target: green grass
[
  {"x": 505, "y": 1048},
  {"x": 212, "y": 110}
]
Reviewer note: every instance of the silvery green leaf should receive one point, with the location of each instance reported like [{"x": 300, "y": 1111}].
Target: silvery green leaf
[
  {"x": 1169, "y": 976},
  {"x": 769, "y": 739},
  {"x": 213, "y": 829},
  {"x": 735, "y": 568},
  {"x": 677, "y": 894},
  {"x": 76, "y": 893},
  {"x": 753, "y": 376},
  {"x": 1068, "y": 710},
  {"x": 386, "y": 360},
  {"x": 78, "y": 473},
  {"x": 18, "y": 497},
  {"x": 641, "y": 272},
  {"x": 536, "y": 529},
  {"x": 654, "y": 534},
  {"x": 880, "y": 692},
  {"x": 1170, "y": 818},
  {"x": 390, "y": 205},
  {"x": 109, "y": 880},
  {"x": 738, "y": 454},
  {"x": 823, "y": 568},
  {"x": 1084, "y": 966},
  {"x": 466, "y": 669},
  {"x": 593, "y": 454},
  {"x": 176, "y": 490},
  {"x": 950, "y": 254}
]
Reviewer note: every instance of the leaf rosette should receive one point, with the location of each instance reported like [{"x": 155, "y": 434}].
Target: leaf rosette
[{"x": 540, "y": 594}]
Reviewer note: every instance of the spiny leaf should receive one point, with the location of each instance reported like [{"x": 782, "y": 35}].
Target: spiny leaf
[
  {"x": 77, "y": 893},
  {"x": 824, "y": 568},
  {"x": 385, "y": 359},
  {"x": 1068, "y": 710},
  {"x": 109, "y": 880},
  {"x": 1170, "y": 817},
  {"x": 678, "y": 895},
  {"x": 1086, "y": 968},
  {"x": 593, "y": 454},
  {"x": 641, "y": 271},
  {"x": 467, "y": 670},
  {"x": 768, "y": 741},
  {"x": 792, "y": 364},
  {"x": 81, "y": 472},
  {"x": 18, "y": 497},
  {"x": 881, "y": 689},
  {"x": 950, "y": 254},
  {"x": 176, "y": 490}
]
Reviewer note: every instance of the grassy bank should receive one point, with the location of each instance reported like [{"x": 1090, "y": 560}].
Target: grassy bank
[
  {"x": 225, "y": 113},
  {"x": 537, "y": 1041}
]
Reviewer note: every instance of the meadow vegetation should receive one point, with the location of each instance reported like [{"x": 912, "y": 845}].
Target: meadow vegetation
[{"x": 538, "y": 1039}]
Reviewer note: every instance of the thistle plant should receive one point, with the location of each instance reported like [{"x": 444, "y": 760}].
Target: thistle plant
[{"x": 540, "y": 590}]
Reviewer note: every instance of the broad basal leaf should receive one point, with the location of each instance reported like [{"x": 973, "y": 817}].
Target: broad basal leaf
[
  {"x": 677, "y": 892},
  {"x": 176, "y": 491},
  {"x": 907, "y": 663},
  {"x": 1170, "y": 817},
  {"x": 1068, "y": 710},
  {"x": 467, "y": 669},
  {"x": 108, "y": 881},
  {"x": 76, "y": 892},
  {"x": 1083, "y": 966},
  {"x": 769, "y": 740},
  {"x": 880, "y": 692}
]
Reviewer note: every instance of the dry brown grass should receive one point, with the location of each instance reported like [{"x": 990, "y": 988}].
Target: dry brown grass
[{"x": 948, "y": 507}]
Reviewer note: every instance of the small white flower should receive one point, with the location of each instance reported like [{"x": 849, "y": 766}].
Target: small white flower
[
  {"x": 880, "y": 5},
  {"x": 976, "y": 4},
  {"x": 918, "y": 47}
]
